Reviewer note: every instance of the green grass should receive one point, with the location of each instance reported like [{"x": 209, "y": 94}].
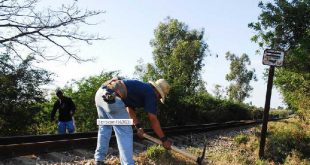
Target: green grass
[
  {"x": 242, "y": 138},
  {"x": 287, "y": 143},
  {"x": 155, "y": 151}
]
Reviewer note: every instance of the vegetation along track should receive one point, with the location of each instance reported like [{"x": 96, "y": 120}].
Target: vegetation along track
[{"x": 41, "y": 144}]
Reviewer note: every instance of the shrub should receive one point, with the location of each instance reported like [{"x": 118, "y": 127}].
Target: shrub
[
  {"x": 278, "y": 113},
  {"x": 154, "y": 152},
  {"x": 284, "y": 137},
  {"x": 295, "y": 158},
  {"x": 261, "y": 162},
  {"x": 242, "y": 138}
]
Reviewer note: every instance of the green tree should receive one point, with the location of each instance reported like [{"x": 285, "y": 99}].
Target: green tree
[
  {"x": 178, "y": 53},
  {"x": 20, "y": 95},
  {"x": 145, "y": 72},
  {"x": 27, "y": 33},
  {"x": 219, "y": 92},
  {"x": 286, "y": 24},
  {"x": 83, "y": 94},
  {"x": 240, "y": 89}
]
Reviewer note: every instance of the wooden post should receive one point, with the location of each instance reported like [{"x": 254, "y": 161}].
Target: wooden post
[{"x": 266, "y": 113}]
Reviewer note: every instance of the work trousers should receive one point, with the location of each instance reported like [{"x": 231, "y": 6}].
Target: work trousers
[{"x": 123, "y": 133}]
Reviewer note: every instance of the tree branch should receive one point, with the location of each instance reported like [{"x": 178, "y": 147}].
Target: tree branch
[{"x": 20, "y": 23}]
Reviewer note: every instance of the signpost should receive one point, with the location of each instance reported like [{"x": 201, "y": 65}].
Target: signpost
[{"x": 272, "y": 58}]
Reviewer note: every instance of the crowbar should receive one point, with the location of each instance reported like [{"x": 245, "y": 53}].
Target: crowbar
[{"x": 198, "y": 159}]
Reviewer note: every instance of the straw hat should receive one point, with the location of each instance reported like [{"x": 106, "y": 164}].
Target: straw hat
[{"x": 162, "y": 87}]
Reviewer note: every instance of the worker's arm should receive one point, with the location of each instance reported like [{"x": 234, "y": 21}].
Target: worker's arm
[
  {"x": 155, "y": 124},
  {"x": 132, "y": 115},
  {"x": 137, "y": 125}
]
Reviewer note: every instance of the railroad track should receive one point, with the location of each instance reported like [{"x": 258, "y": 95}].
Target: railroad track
[
  {"x": 26, "y": 145},
  {"x": 79, "y": 148}
]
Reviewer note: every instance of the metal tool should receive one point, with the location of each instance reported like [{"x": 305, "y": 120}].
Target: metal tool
[{"x": 198, "y": 159}]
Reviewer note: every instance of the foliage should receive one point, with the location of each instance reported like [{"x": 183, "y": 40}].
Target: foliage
[
  {"x": 261, "y": 162},
  {"x": 279, "y": 113},
  {"x": 43, "y": 124},
  {"x": 20, "y": 95},
  {"x": 83, "y": 93},
  {"x": 286, "y": 25},
  {"x": 203, "y": 108},
  {"x": 26, "y": 35},
  {"x": 287, "y": 21},
  {"x": 25, "y": 29},
  {"x": 287, "y": 143},
  {"x": 198, "y": 108},
  {"x": 285, "y": 137},
  {"x": 239, "y": 90},
  {"x": 242, "y": 138},
  {"x": 154, "y": 152},
  {"x": 227, "y": 110},
  {"x": 295, "y": 89},
  {"x": 295, "y": 158},
  {"x": 145, "y": 72},
  {"x": 219, "y": 92},
  {"x": 178, "y": 53},
  {"x": 257, "y": 113}
]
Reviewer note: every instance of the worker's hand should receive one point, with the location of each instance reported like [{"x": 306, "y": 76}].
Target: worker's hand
[
  {"x": 140, "y": 133},
  {"x": 139, "y": 129},
  {"x": 167, "y": 144}
]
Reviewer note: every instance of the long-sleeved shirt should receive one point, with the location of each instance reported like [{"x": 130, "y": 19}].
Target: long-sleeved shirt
[{"x": 66, "y": 109}]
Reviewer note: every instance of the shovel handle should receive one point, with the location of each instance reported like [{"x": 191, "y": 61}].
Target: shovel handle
[{"x": 174, "y": 148}]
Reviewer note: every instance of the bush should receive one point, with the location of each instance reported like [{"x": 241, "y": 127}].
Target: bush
[
  {"x": 278, "y": 113},
  {"x": 284, "y": 137},
  {"x": 261, "y": 162},
  {"x": 242, "y": 138},
  {"x": 295, "y": 158},
  {"x": 154, "y": 152}
]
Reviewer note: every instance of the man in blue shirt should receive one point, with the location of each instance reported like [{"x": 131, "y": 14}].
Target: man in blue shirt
[{"x": 117, "y": 99}]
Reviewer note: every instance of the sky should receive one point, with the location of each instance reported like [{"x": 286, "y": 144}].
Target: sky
[{"x": 129, "y": 26}]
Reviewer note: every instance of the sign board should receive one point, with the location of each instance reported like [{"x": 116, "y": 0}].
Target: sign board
[{"x": 273, "y": 57}]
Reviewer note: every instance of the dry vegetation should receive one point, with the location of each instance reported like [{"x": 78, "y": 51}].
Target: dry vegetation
[{"x": 288, "y": 143}]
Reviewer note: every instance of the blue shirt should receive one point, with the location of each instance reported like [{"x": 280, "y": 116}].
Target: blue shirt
[{"x": 140, "y": 94}]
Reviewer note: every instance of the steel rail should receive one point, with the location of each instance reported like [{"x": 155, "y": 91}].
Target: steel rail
[{"x": 41, "y": 138}]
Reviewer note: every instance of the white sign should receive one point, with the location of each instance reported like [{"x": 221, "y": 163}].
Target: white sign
[
  {"x": 273, "y": 57},
  {"x": 114, "y": 122}
]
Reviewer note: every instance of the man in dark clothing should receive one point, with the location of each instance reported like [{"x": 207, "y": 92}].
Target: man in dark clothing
[{"x": 66, "y": 109}]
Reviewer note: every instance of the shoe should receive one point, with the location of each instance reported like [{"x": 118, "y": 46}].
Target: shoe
[{"x": 99, "y": 163}]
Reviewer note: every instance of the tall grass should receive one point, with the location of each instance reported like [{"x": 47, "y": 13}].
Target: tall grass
[{"x": 288, "y": 142}]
